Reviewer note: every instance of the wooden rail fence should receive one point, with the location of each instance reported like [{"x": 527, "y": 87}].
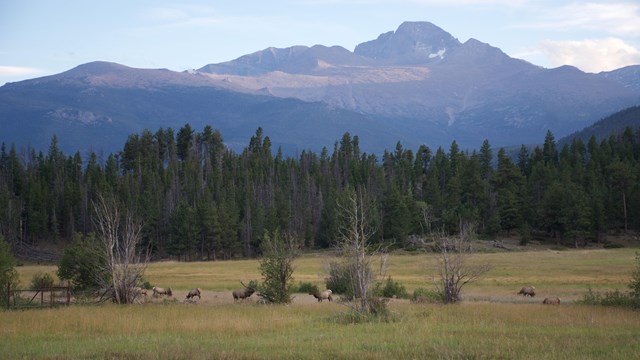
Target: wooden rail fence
[{"x": 48, "y": 297}]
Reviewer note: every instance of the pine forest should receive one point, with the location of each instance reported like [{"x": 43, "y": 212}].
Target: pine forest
[{"x": 199, "y": 200}]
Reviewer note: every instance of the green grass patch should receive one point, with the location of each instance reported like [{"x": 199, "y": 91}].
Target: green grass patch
[{"x": 472, "y": 330}]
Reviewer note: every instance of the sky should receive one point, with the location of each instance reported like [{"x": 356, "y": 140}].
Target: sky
[{"x": 45, "y": 37}]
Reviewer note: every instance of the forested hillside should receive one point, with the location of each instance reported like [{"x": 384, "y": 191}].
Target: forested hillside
[
  {"x": 198, "y": 199},
  {"x": 612, "y": 124}
]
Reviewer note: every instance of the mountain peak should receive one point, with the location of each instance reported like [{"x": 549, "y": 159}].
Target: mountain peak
[
  {"x": 96, "y": 68},
  {"x": 411, "y": 43}
]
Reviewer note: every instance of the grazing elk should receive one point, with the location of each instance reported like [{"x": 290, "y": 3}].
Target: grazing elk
[
  {"x": 241, "y": 294},
  {"x": 193, "y": 293},
  {"x": 322, "y": 295},
  {"x": 138, "y": 291},
  {"x": 137, "y": 294},
  {"x": 527, "y": 291},
  {"x": 551, "y": 301},
  {"x": 157, "y": 291}
]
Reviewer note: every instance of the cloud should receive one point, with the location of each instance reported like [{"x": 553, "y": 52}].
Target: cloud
[
  {"x": 590, "y": 55},
  {"x": 182, "y": 16},
  {"x": 620, "y": 19},
  {"x": 19, "y": 71}
]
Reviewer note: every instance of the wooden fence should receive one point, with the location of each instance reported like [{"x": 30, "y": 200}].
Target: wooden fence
[{"x": 38, "y": 298}]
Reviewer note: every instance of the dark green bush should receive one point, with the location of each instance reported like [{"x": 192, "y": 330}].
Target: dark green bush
[
  {"x": 83, "y": 263},
  {"x": 590, "y": 298},
  {"x": 276, "y": 267},
  {"x": 8, "y": 273},
  {"x": 614, "y": 298},
  {"x": 421, "y": 295},
  {"x": 393, "y": 288},
  {"x": 611, "y": 245},
  {"x": 339, "y": 280},
  {"x": 306, "y": 287},
  {"x": 41, "y": 281}
]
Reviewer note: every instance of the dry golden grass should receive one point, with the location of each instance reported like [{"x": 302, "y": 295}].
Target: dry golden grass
[{"x": 496, "y": 324}]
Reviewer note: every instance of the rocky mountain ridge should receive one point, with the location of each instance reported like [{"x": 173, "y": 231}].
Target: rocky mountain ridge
[{"x": 416, "y": 85}]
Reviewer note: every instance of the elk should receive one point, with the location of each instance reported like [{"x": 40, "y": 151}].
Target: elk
[
  {"x": 322, "y": 295},
  {"x": 139, "y": 291},
  {"x": 527, "y": 291},
  {"x": 162, "y": 291},
  {"x": 193, "y": 293},
  {"x": 243, "y": 293},
  {"x": 551, "y": 301}
]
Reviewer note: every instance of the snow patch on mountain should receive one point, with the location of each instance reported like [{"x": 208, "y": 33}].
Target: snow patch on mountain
[{"x": 439, "y": 54}]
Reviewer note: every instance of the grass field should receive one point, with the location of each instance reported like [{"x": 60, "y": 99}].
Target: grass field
[{"x": 492, "y": 322}]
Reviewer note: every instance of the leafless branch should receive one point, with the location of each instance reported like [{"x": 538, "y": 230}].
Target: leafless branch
[
  {"x": 125, "y": 263},
  {"x": 454, "y": 272},
  {"x": 354, "y": 236}
]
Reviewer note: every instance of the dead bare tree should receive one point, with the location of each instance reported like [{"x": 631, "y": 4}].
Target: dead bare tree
[
  {"x": 428, "y": 216},
  {"x": 354, "y": 235},
  {"x": 120, "y": 237},
  {"x": 454, "y": 270}
]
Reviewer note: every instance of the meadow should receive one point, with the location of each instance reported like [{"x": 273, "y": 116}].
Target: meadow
[{"x": 492, "y": 322}]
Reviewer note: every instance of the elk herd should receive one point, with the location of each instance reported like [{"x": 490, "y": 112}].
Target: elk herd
[
  {"x": 531, "y": 292},
  {"x": 247, "y": 291},
  {"x": 238, "y": 294}
]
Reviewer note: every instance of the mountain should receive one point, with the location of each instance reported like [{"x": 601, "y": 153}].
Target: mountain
[
  {"x": 417, "y": 84},
  {"x": 414, "y": 43},
  {"x": 628, "y": 76},
  {"x": 610, "y": 125},
  {"x": 424, "y": 81},
  {"x": 293, "y": 60},
  {"x": 95, "y": 106}
]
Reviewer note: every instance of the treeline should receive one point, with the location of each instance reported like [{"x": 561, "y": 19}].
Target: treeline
[{"x": 198, "y": 199}]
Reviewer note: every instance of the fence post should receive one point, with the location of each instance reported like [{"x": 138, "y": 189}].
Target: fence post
[
  {"x": 68, "y": 293},
  {"x": 8, "y": 295}
]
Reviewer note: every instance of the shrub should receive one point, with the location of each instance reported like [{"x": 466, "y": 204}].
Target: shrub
[
  {"x": 8, "y": 273},
  {"x": 590, "y": 298},
  {"x": 378, "y": 312},
  {"x": 307, "y": 288},
  {"x": 339, "y": 280},
  {"x": 276, "y": 266},
  {"x": 612, "y": 245},
  {"x": 378, "y": 307},
  {"x": 41, "y": 281},
  {"x": 421, "y": 295},
  {"x": 393, "y": 288},
  {"x": 614, "y": 298},
  {"x": 83, "y": 264}
]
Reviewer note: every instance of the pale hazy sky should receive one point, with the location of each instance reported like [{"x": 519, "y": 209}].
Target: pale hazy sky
[{"x": 43, "y": 37}]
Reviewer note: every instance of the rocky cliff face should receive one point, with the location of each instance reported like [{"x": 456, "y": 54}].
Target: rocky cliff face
[{"x": 413, "y": 43}]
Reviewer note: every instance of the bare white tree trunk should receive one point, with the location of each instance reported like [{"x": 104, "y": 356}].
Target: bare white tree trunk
[
  {"x": 125, "y": 263},
  {"x": 353, "y": 244}
]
